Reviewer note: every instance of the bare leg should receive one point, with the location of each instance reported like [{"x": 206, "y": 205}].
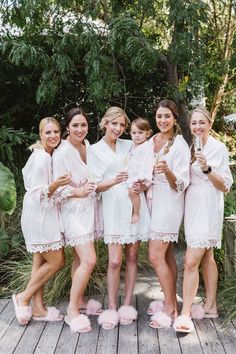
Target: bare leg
[
  {"x": 75, "y": 265},
  {"x": 113, "y": 274},
  {"x": 136, "y": 201},
  {"x": 81, "y": 276},
  {"x": 54, "y": 261},
  {"x": 131, "y": 256},
  {"x": 192, "y": 261},
  {"x": 39, "y": 308},
  {"x": 210, "y": 277},
  {"x": 171, "y": 261},
  {"x": 157, "y": 255}
]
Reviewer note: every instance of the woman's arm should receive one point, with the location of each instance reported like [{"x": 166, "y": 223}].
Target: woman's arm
[
  {"x": 105, "y": 185},
  {"x": 217, "y": 181}
]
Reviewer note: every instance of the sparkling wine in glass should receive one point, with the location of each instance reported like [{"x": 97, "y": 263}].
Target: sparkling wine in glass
[{"x": 198, "y": 144}]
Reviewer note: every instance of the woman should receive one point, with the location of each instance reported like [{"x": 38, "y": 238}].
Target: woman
[
  {"x": 171, "y": 177},
  {"x": 78, "y": 216},
  {"x": 41, "y": 225},
  {"x": 204, "y": 208},
  {"x": 107, "y": 160}
]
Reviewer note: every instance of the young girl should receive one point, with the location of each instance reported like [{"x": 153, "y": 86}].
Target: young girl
[{"x": 140, "y": 162}]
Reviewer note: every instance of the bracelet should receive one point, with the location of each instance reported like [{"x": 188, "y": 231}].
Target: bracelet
[{"x": 207, "y": 171}]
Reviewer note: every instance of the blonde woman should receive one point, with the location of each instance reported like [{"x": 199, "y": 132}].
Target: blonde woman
[
  {"x": 107, "y": 160},
  {"x": 171, "y": 177},
  {"x": 203, "y": 220},
  {"x": 41, "y": 225}
]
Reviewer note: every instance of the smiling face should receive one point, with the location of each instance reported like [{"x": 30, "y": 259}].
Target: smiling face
[
  {"x": 50, "y": 136},
  {"x": 77, "y": 129},
  {"x": 115, "y": 128},
  {"x": 200, "y": 125},
  {"x": 138, "y": 135},
  {"x": 165, "y": 120}
]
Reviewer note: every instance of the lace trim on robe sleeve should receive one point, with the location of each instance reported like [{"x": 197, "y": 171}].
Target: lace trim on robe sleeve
[
  {"x": 60, "y": 196},
  {"x": 44, "y": 198}
]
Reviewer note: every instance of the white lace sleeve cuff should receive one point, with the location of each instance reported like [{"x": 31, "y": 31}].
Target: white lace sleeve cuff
[
  {"x": 45, "y": 200},
  {"x": 60, "y": 197}
]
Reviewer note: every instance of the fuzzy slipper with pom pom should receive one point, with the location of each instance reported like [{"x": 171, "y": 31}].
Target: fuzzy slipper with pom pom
[
  {"x": 154, "y": 307},
  {"x": 160, "y": 320},
  {"x": 108, "y": 319},
  {"x": 79, "y": 324},
  {"x": 127, "y": 314}
]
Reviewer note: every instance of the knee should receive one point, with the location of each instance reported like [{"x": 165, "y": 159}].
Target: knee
[
  {"x": 190, "y": 265},
  {"x": 154, "y": 257},
  {"x": 90, "y": 263},
  {"x": 131, "y": 258},
  {"x": 115, "y": 263}
]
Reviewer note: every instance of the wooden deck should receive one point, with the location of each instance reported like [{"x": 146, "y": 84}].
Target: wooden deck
[
  {"x": 47, "y": 338},
  {"x": 138, "y": 338}
]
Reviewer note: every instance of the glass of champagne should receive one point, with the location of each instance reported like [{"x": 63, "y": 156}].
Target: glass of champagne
[{"x": 197, "y": 144}]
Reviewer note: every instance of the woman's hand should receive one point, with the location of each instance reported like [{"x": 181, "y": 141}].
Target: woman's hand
[
  {"x": 161, "y": 167},
  {"x": 85, "y": 190},
  {"x": 139, "y": 187},
  {"x": 200, "y": 158},
  {"x": 121, "y": 177},
  {"x": 62, "y": 180}
]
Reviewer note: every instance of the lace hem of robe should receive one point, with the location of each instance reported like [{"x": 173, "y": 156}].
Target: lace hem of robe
[
  {"x": 40, "y": 248},
  {"x": 122, "y": 239},
  {"x": 204, "y": 244},
  {"x": 80, "y": 239},
  {"x": 165, "y": 237},
  {"x": 179, "y": 185}
]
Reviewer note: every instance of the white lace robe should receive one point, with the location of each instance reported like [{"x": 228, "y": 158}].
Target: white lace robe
[
  {"x": 167, "y": 205},
  {"x": 78, "y": 214},
  {"x": 116, "y": 205},
  {"x": 204, "y": 204},
  {"x": 40, "y": 219}
]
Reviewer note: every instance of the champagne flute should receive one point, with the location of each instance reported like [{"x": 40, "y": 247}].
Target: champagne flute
[{"x": 198, "y": 144}]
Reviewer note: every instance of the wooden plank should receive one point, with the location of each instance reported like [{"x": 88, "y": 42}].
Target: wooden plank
[
  {"x": 107, "y": 340},
  {"x": 6, "y": 318},
  {"x": 67, "y": 342},
  {"x": 87, "y": 342},
  {"x": 168, "y": 341},
  {"x": 30, "y": 338},
  {"x": 148, "y": 342},
  {"x": 189, "y": 343},
  {"x": 3, "y": 304},
  {"x": 208, "y": 337},
  {"x": 49, "y": 338},
  {"x": 128, "y": 337},
  {"x": 11, "y": 338}
]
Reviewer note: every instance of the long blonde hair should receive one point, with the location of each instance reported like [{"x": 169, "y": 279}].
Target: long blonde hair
[
  {"x": 38, "y": 144},
  {"x": 111, "y": 114}
]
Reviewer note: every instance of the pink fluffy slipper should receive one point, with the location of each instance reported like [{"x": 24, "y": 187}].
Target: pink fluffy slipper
[
  {"x": 160, "y": 320},
  {"x": 23, "y": 313},
  {"x": 94, "y": 308},
  {"x": 79, "y": 324},
  {"x": 154, "y": 307},
  {"x": 53, "y": 315},
  {"x": 127, "y": 314},
  {"x": 183, "y": 324},
  {"x": 197, "y": 311},
  {"x": 108, "y": 319}
]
